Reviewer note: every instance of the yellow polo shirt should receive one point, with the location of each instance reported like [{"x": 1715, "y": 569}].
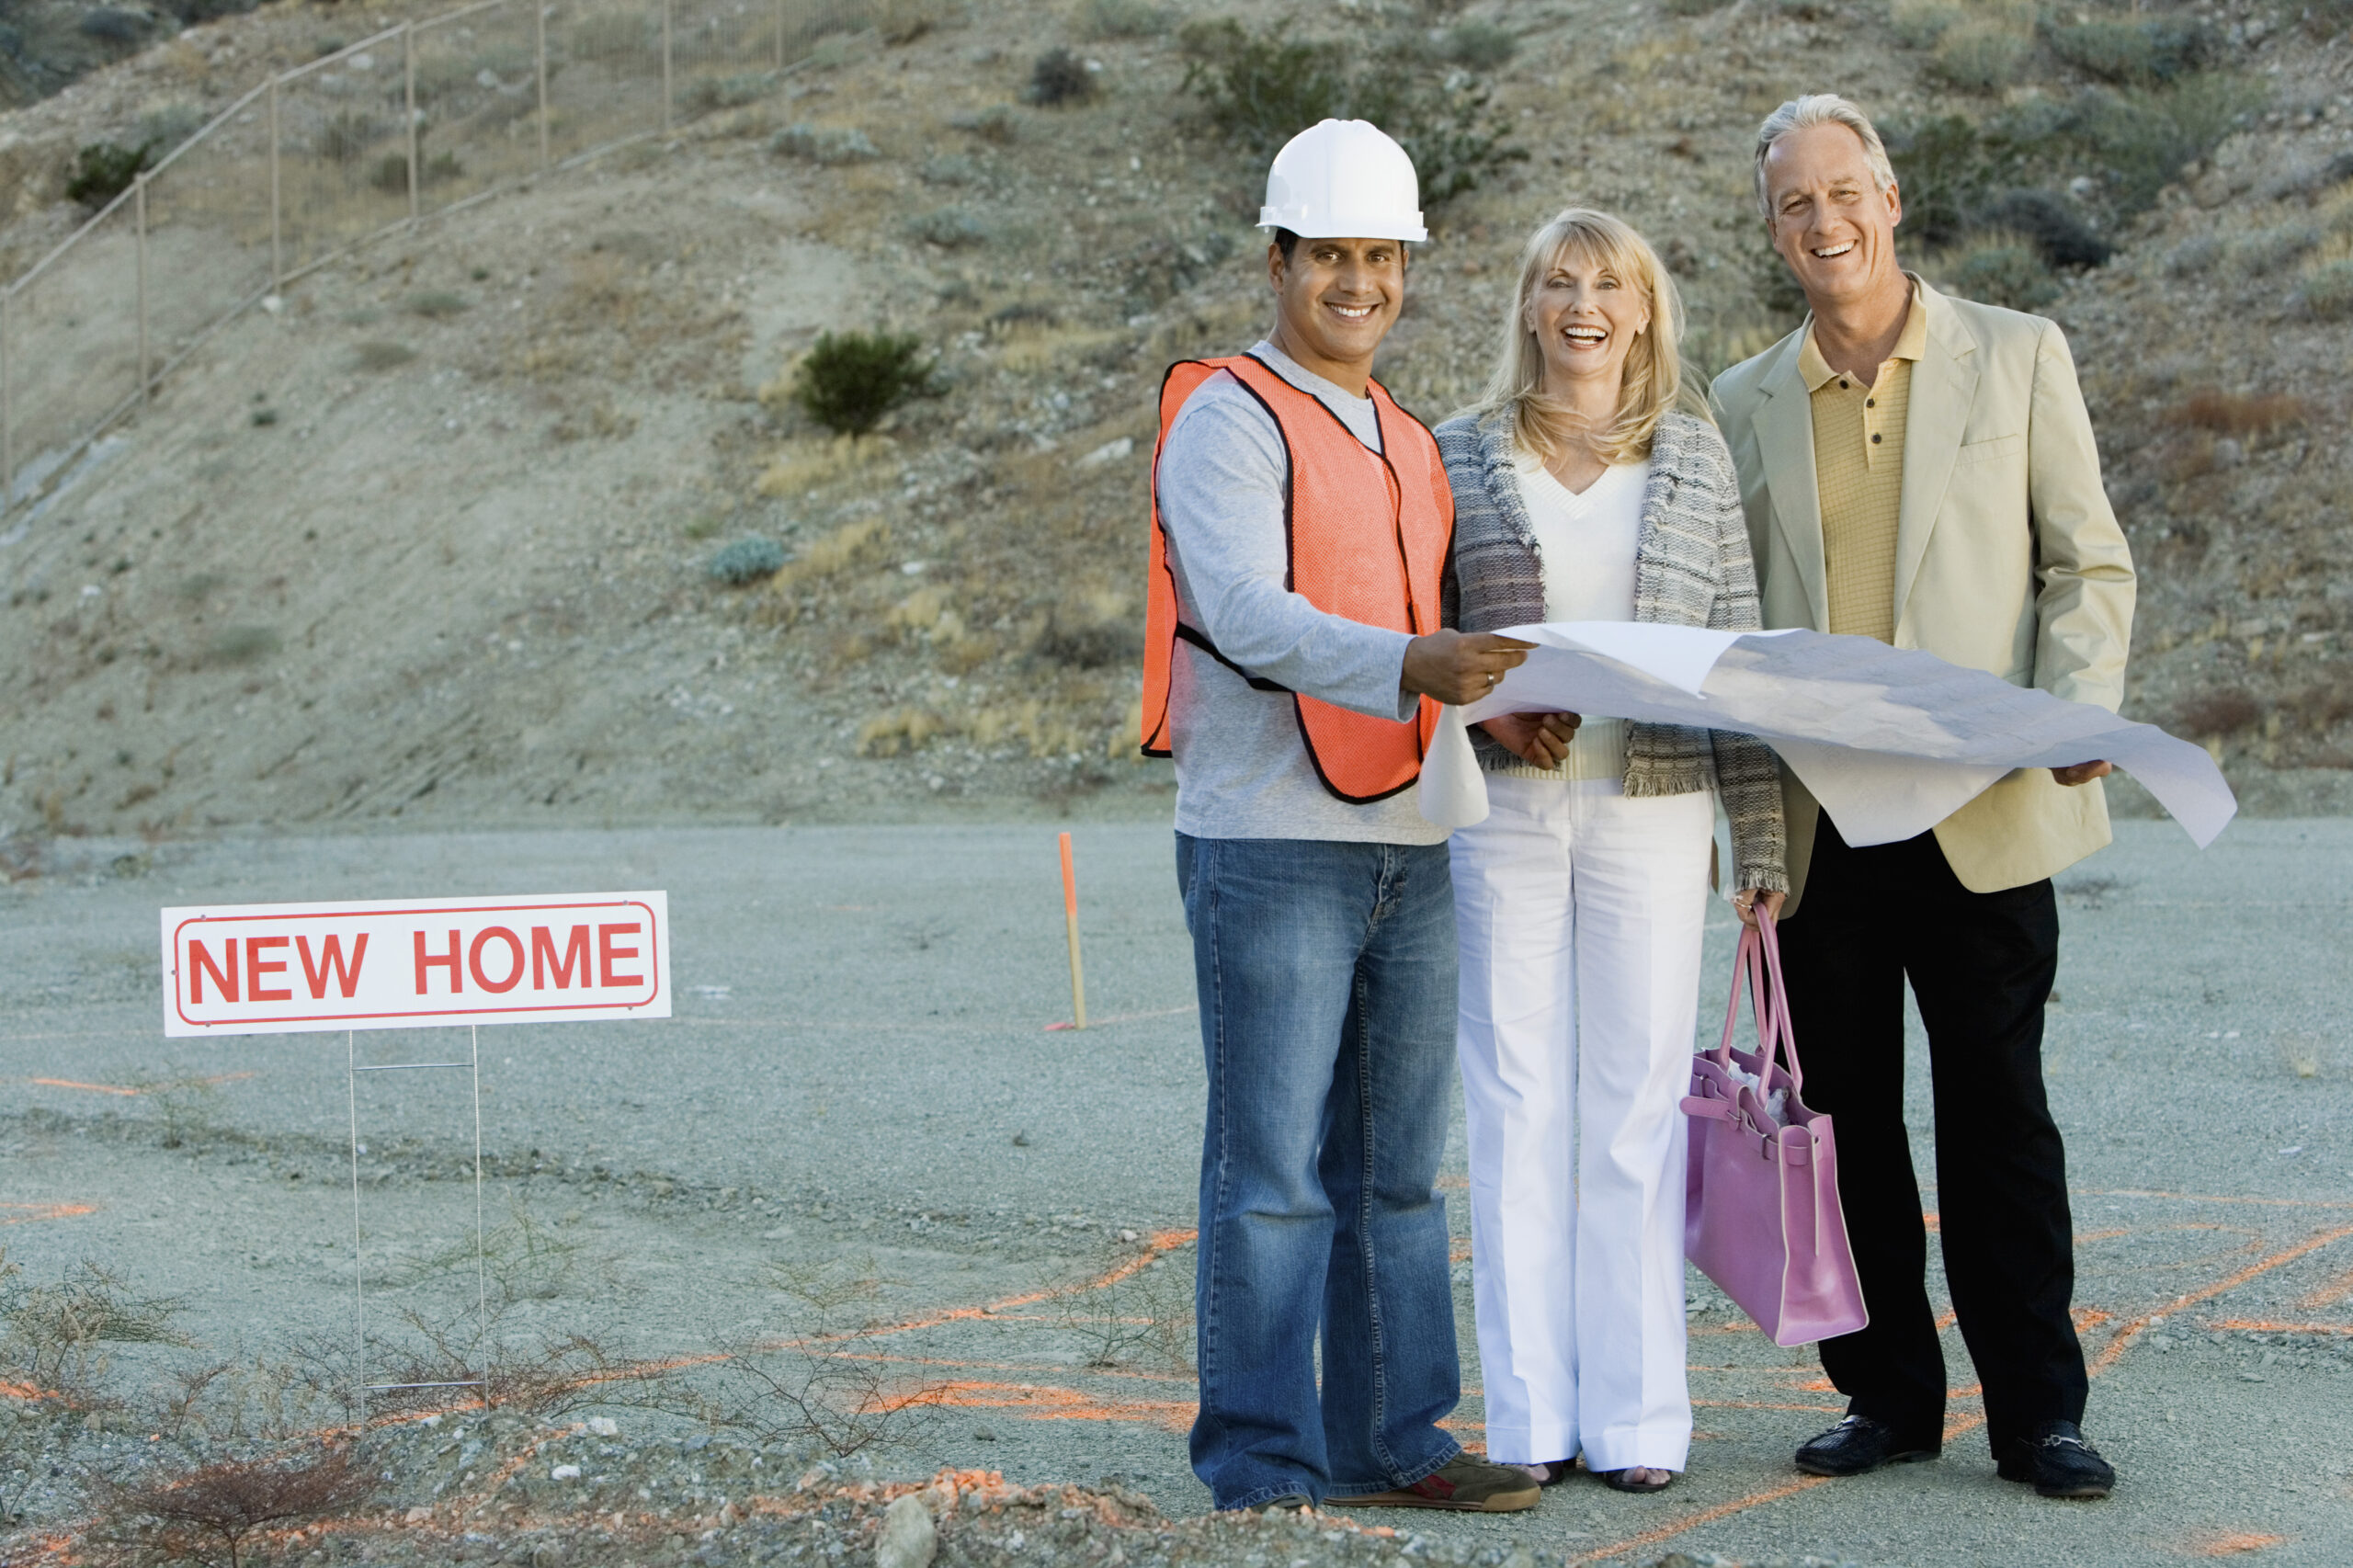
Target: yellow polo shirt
[{"x": 1859, "y": 471}]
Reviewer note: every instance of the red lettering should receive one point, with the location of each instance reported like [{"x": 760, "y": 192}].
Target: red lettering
[
  {"x": 575, "y": 956},
  {"x": 330, "y": 965},
  {"x": 607, "y": 953},
  {"x": 255, "y": 968},
  {"x": 449, "y": 961},
  {"x": 513, "y": 963},
  {"x": 199, "y": 964}
]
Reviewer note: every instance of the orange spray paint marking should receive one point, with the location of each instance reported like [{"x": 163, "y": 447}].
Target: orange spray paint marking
[
  {"x": 2130, "y": 1331},
  {"x": 2229, "y": 1543},
  {"x": 120, "y": 1089},
  {"x": 2327, "y": 1295},
  {"x": 1160, "y": 1242},
  {"x": 1047, "y": 1403},
  {"x": 26, "y": 1213},
  {"x": 1704, "y": 1516}
]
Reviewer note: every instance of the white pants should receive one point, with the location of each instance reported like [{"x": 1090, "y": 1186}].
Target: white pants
[{"x": 1579, "y": 912}]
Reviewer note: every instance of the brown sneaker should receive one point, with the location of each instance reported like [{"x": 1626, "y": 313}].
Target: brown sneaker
[{"x": 1463, "y": 1483}]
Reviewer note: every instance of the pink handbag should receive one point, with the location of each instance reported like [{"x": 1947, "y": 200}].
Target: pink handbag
[{"x": 1761, "y": 1215}]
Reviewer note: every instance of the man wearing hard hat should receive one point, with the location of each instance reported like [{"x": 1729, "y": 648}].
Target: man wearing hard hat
[{"x": 1293, "y": 666}]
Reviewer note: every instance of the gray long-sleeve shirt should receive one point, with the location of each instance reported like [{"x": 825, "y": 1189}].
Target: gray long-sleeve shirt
[{"x": 1242, "y": 769}]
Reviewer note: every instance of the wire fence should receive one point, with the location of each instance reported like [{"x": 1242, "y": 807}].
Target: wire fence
[{"x": 419, "y": 120}]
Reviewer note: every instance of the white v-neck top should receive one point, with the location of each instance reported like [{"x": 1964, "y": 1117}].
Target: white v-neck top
[{"x": 1586, "y": 544}]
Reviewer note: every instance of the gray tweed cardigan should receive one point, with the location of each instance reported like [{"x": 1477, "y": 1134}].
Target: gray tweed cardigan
[{"x": 1691, "y": 568}]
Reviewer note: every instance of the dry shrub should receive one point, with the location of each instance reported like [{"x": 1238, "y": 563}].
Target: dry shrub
[
  {"x": 2190, "y": 458},
  {"x": 2219, "y": 713},
  {"x": 1028, "y": 347},
  {"x": 802, "y": 466},
  {"x": 2323, "y": 706},
  {"x": 1143, "y": 1316},
  {"x": 229, "y": 1500},
  {"x": 909, "y": 729},
  {"x": 54, "y": 1332},
  {"x": 852, "y": 544},
  {"x": 2231, "y": 413}
]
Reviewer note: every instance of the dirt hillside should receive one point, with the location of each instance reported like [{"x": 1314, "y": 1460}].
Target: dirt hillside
[{"x": 432, "y": 541}]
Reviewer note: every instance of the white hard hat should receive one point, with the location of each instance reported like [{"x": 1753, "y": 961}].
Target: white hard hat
[{"x": 1344, "y": 179}]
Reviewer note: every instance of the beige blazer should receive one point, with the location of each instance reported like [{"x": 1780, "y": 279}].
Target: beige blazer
[{"x": 2007, "y": 558}]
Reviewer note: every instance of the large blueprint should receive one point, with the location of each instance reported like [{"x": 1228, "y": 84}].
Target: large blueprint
[{"x": 1892, "y": 741}]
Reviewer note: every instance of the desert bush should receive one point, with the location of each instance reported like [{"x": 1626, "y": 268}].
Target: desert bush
[
  {"x": 1121, "y": 18},
  {"x": 171, "y": 125},
  {"x": 947, "y": 168},
  {"x": 996, "y": 123},
  {"x": 2219, "y": 713},
  {"x": 949, "y": 228},
  {"x": 437, "y": 304},
  {"x": 2230, "y": 413},
  {"x": 746, "y": 560},
  {"x": 711, "y": 94},
  {"x": 2059, "y": 233},
  {"x": 2141, "y": 52},
  {"x": 2327, "y": 290},
  {"x": 1691, "y": 7},
  {"x": 104, "y": 170},
  {"x": 231, "y": 1500},
  {"x": 1059, "y": 77},
  {"x": 851, "y": 380},
  {"x": 1260, "y": 89},
  {"x": 1477, "y": 46},
  {"x": 2002, "y": 269},
  {"x": 612, "y": 35},
  {"x": 381, "y": 355},
  {"x": 109, "y": 25},
  {"x": 1982, "y": 56},
  {"x": 1945, "y": 168},
  {"x": 903, "y": 21},
  {"x": 2195, "y": 256},
  {"x": 346, "y": 137},
  {"x": 823, "y": 145},
  {"x": 1920, "y": 23},
  {"x": 2276, "y": 249},
  {"x": 2145, "y": 137},
  {"x": 242, "y": 645}
]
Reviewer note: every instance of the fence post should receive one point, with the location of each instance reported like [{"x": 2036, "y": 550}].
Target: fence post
[
  {"x": 539, "y": 17},
  {"x": 408, "y": 90},
  {"x": 139, "y": 208},
  {"x": 276, "y": 248},
  {"x": 8, "y": 420},
  {"x": 780, "y": 34},
  {"x": 666, "y": 67}
]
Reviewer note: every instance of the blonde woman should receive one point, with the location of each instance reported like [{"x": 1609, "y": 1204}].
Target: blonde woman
[{"x": 1582, "y": 491}]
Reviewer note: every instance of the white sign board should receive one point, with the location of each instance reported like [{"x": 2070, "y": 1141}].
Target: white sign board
[{"x": 287, "y": 968}]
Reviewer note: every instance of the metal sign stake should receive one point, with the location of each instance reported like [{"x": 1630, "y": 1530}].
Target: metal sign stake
[{"x": 361, "y": 1387}]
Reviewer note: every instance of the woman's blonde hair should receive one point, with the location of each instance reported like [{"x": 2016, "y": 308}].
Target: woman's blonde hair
[{"x": 1654, "y": 375}]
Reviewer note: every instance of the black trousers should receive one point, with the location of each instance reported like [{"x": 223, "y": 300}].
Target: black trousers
[{"x": 1981, "y": 967}]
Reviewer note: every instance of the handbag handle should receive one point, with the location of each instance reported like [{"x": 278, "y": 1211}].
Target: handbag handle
[{"x": 1758, "y": 961}]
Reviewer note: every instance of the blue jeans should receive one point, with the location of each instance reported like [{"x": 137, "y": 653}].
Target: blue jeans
[{"x": 1326, "y": 980}]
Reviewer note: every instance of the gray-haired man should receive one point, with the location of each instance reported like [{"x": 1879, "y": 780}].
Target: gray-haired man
[{"x": 1921, "y": 470}]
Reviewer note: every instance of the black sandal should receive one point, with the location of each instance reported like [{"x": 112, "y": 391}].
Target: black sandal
[{"x": 1616, "y": 1479}]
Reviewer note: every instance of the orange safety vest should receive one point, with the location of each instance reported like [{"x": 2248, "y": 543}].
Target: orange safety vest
[{"x": 1368, "y": 533}]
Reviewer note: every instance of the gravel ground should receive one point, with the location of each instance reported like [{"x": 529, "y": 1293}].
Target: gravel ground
[{"x": 860, "y": 1162}]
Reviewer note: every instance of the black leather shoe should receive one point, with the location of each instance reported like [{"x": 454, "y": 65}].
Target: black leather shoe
[
  {"x": 2058, "y": 1462},
  {"x": 1859, "y": 1444}
]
